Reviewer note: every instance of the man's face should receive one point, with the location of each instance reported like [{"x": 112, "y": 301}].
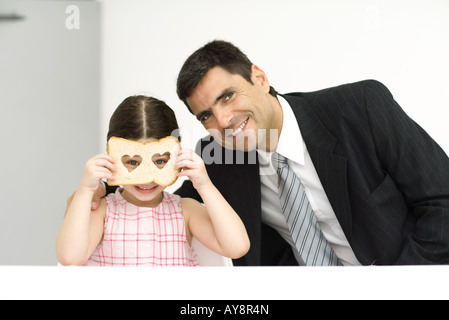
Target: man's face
[{"x": 238, "y": 114}]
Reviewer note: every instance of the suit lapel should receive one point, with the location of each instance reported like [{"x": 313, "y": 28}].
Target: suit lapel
[{"x": 331, "y": 168}]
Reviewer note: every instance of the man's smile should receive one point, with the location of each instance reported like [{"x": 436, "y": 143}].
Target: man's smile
[{"x": 240, "y": 129}]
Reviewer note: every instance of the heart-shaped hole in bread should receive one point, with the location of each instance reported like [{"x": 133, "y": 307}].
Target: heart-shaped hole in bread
[
  {"x": 144, "y": 162},
  {"x": 131, "y": 163},
  {"x": 160, "y": 160}
]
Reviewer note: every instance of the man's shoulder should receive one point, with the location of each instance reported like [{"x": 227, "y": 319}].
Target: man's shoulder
[
  {"x": 355, "y": 89},
  {"x": 342, "y": 99}
]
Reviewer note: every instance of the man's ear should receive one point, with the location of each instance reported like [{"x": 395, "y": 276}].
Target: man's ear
[{"x": 258, "y": 76}]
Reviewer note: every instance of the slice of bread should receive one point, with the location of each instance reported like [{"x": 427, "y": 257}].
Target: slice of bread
[{"x": 146, "y": 172}]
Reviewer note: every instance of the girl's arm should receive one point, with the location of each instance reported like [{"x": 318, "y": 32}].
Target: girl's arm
[
  {"x": 215, "y": 224},
  {"x": 82, "y": 229}
]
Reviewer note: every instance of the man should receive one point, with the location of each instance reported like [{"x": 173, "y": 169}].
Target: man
[{"x": 375, "y": 185}]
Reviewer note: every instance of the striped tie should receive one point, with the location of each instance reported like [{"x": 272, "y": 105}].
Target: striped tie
[{"x": 306, "y": 233}]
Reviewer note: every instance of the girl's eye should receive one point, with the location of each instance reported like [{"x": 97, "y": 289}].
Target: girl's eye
[
  {"x": 131, "y": 163},
  {"x": 161, "y": 160},
  {"x": 160, "y": 163}
]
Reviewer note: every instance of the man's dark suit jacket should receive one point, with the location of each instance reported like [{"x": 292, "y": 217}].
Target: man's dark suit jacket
[{"x": 385, "y": 177}]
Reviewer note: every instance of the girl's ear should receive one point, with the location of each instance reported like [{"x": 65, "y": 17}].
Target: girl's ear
[{"x": 258, "y": 76}]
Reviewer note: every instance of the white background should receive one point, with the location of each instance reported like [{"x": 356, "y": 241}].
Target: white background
[{"x": 279, "y": 283}]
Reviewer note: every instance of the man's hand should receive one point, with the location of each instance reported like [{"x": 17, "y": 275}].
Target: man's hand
[{"x": 100, "y": 193}]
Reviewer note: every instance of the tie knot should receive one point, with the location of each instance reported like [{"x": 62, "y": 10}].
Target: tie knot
[{"x": 280, "y": 160}]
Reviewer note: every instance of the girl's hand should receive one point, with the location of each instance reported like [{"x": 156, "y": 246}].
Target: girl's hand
[
  {"x": 99, "y": 167},
  {"x": 193, "y": 167}
]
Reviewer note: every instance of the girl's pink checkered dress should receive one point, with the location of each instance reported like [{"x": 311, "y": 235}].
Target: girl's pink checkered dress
[{"x": 135, "y": 236}]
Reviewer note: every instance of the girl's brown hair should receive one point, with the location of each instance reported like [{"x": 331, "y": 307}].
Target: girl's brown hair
[{"x": 142, "y": 117}]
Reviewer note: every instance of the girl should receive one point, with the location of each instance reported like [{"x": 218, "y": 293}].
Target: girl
[{"x": 144, "y": 225}]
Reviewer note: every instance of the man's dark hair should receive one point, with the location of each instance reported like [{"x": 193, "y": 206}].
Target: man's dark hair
[{"x": 214, "y": 54}]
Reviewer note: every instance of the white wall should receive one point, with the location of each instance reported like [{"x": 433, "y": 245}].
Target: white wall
[
  {"x": 49, "y": 115},
  {"x": 302, "y": 45}
]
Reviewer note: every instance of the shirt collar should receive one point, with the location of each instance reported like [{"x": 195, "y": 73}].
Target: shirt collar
[{"x": 291, "y": 143}]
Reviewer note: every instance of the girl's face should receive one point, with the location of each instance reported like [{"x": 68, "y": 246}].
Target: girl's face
[{"x": 144, "y": 195}]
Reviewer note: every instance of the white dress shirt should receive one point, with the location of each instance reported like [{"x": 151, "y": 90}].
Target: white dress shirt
[{"x": 301, "y": 163}]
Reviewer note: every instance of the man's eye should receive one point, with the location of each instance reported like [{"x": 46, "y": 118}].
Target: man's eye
[
  {"x": 205, "y": 117},
  {"x": 133, "y": 163},
  {"x": 228, "y": 96}
]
